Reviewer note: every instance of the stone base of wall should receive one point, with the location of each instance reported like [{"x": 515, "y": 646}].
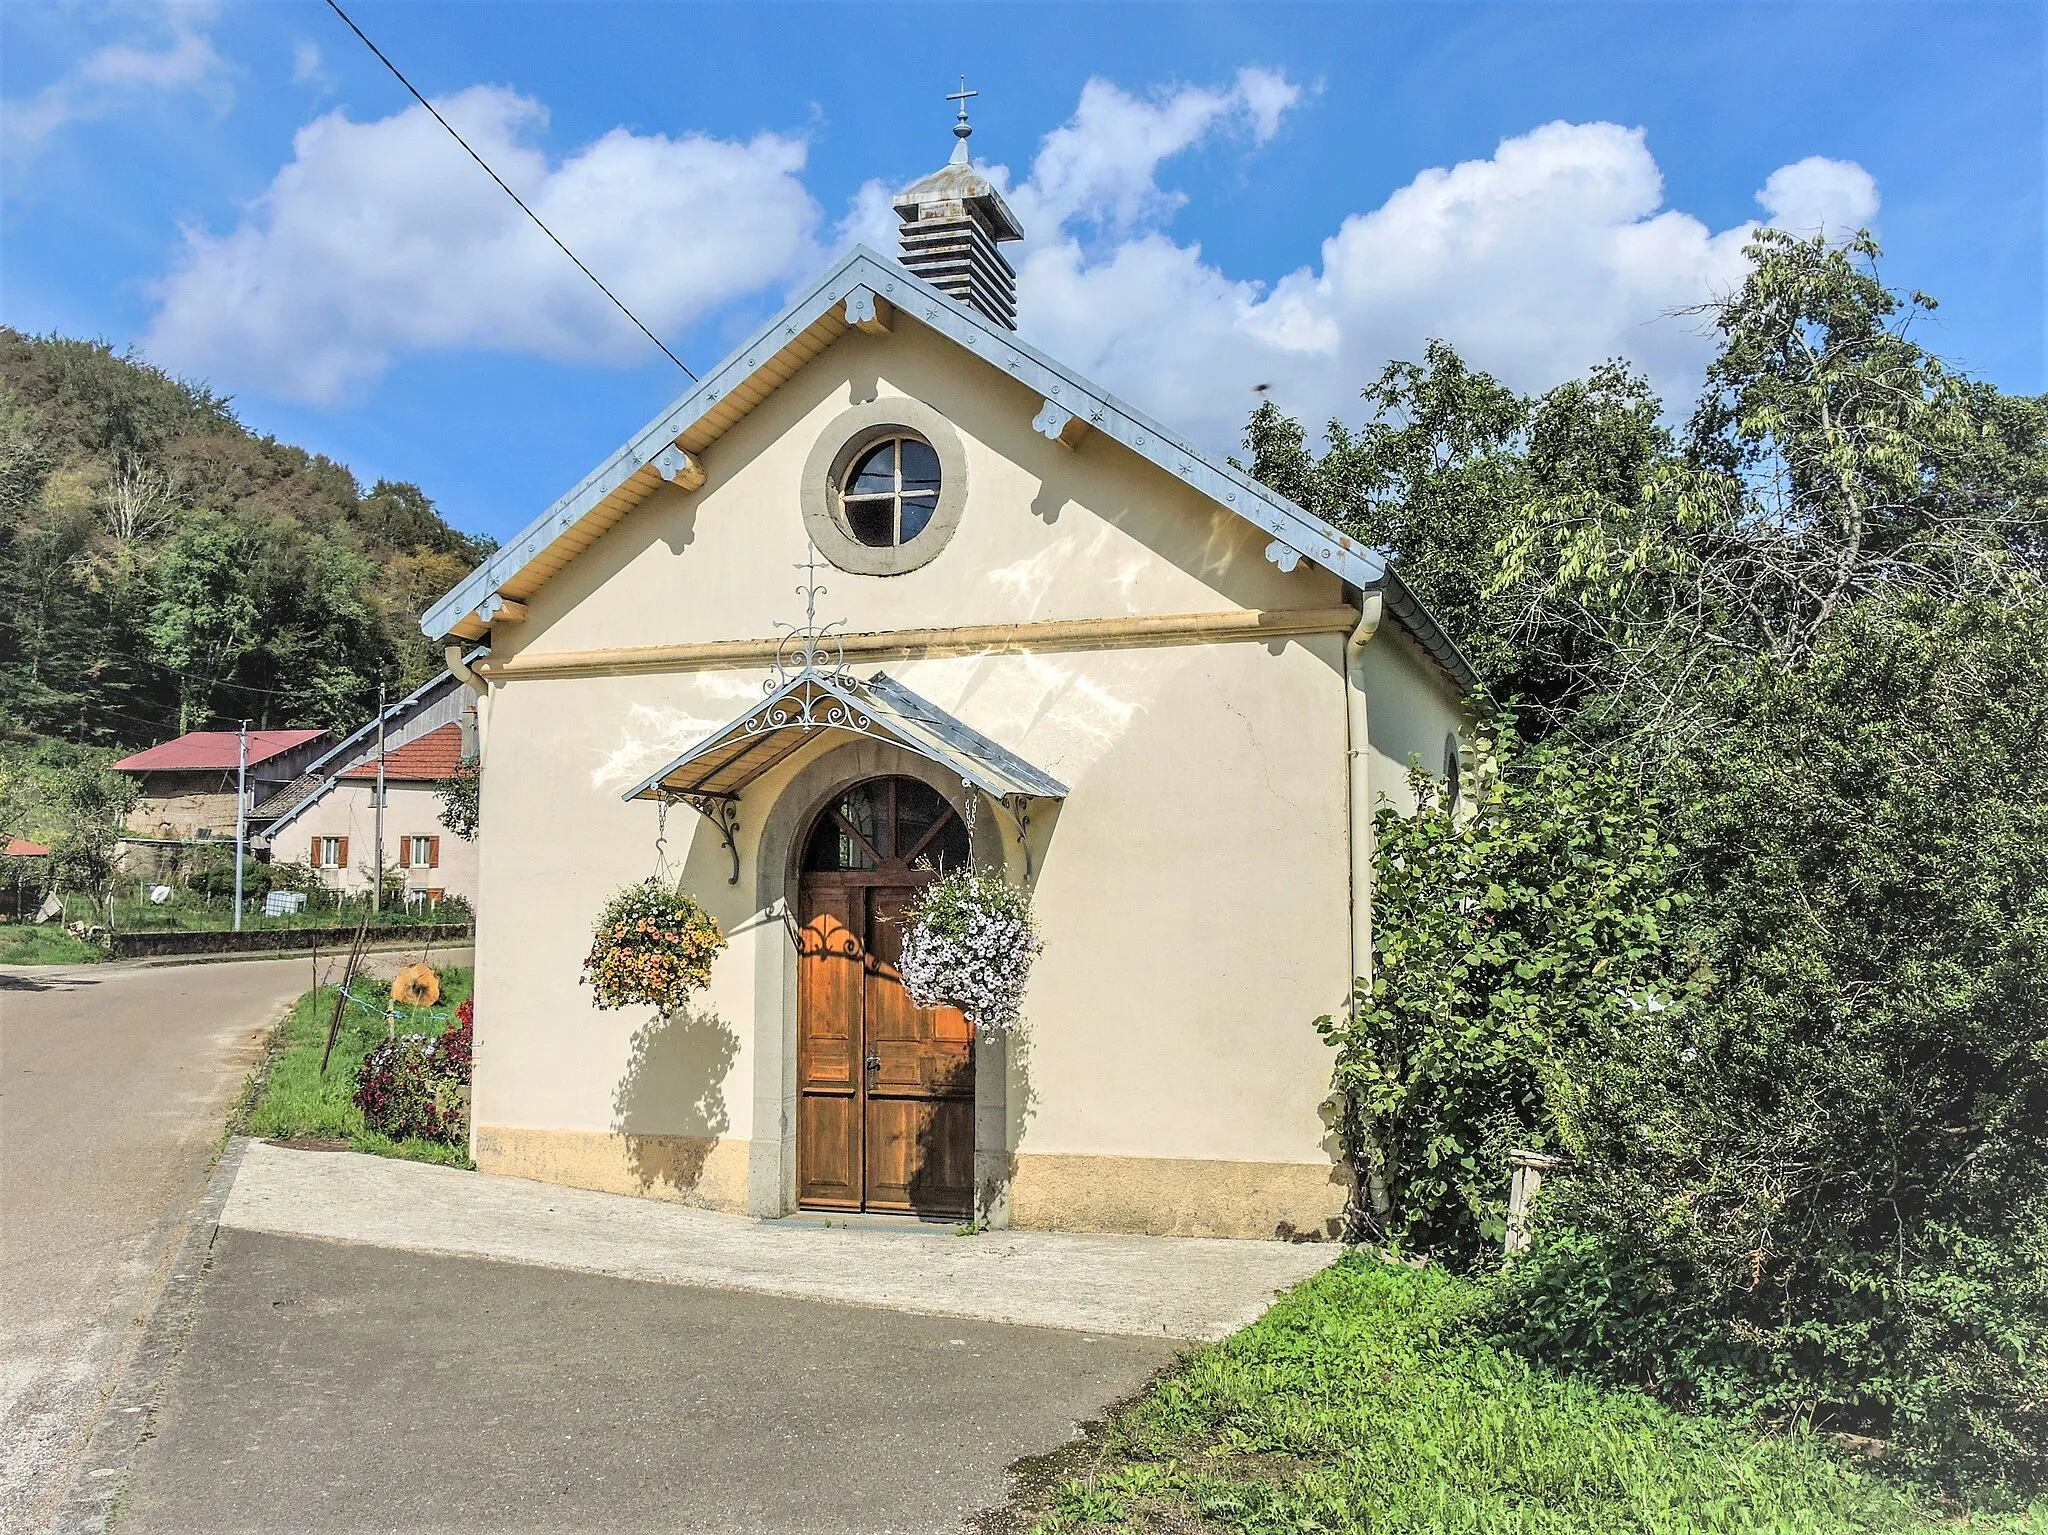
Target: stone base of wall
[
  {"x": 1179, "y": 1196},
  {"x": 704, "y": 1170},
  {"x": 1148, "y": 1196}
]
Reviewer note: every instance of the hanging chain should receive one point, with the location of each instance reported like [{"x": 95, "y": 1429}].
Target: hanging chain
[{"x": 661, "y": 871}]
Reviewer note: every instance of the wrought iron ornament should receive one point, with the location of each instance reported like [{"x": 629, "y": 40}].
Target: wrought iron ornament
[{"x": 811, "y": 686}]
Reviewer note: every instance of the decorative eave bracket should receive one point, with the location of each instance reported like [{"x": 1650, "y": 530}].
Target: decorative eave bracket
[
  {"x": 723, "y": 812},
  {"x": 867, "y": 310},
  {"x": 500, "y": 609},
  {"x": 680, "y": 468},
  {"x": 1056, "y": 422}
]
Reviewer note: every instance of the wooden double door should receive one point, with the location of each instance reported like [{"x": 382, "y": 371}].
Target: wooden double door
[{"x": 885, "y": 1105}]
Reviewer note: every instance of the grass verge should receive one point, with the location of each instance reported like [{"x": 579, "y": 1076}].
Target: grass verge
[
  {"x": 1365, "y": 1401},
  {"x": 297, "y": 1101},
  {"x": 46, "y": 945}
]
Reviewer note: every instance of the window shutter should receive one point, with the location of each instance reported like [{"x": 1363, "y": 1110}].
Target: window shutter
[
  {"x": 341, "y": 852},
  {"x": 433, "y": 852}
]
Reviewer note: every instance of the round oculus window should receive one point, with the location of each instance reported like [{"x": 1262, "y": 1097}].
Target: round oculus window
[
  {"x": 884, "y": 487},
  {"x": 890, "y": 491}
]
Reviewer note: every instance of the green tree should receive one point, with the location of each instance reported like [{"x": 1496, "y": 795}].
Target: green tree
[
  {"x": 205, "y": 618},
  {"x": 90, "y": 803},
  {"x": 1809, "y": 630}
]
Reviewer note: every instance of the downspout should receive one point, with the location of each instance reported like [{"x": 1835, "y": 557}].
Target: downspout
[
  {"x": 459, "y": 668},
  {"x": 1359, "y": 811}
]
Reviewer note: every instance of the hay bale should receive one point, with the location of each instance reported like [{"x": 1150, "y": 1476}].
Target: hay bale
[{"x": 417, "y": 986}]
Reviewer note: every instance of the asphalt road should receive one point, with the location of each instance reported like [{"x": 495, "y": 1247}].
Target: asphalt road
[
  {"x": 115, "y": 1082},
  {"x": 332, "y": 1387}
]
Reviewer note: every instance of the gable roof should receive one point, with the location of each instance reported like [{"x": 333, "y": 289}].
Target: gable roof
[
  {"x": 862, "y": 289},
  {"x": 198, "y": 750},
  {"x": 429, "y": 758},
  {"x": 312, "y": 786}
]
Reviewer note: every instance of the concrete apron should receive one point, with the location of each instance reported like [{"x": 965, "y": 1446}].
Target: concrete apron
[{"x": 1171, "y": 1287}]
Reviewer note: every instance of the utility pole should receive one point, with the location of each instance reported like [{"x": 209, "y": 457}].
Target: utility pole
[
  {"x": 377, "y": 878},
  {"x": 241, "y": 815}
]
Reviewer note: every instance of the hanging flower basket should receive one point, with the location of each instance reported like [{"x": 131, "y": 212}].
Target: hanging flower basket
[
  {"x": 968, "y": 943},
  {"x": 654, "y": 945}
]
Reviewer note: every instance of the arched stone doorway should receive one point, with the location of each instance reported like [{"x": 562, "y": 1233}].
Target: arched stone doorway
[{"x": 885, "y": 1089}]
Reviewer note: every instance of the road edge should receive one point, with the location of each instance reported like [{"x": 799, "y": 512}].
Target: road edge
[
  {"x": 162, "y": 961},
  {"x": 128, "y": 1417}
]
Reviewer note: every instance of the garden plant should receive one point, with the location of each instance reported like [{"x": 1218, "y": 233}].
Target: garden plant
[{"x": 654, "y": 945}]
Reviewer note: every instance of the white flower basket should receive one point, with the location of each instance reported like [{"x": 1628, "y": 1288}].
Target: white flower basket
[{"x": 968, "y": 943}]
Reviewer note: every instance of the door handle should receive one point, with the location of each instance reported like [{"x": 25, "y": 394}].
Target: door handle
[{"x": 874, "y": 1063}]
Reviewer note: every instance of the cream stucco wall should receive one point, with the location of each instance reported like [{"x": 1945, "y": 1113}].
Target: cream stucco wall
[{"x": 1193, "y": 888}]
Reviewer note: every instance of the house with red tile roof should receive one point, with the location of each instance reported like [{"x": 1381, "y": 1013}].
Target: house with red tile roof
[{"x": 327, "y": 818}]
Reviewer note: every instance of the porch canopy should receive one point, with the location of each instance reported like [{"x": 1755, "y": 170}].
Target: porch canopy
[{"x": 726, "y": 761}]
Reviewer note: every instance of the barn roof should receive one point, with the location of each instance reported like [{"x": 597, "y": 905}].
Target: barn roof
[
  {"x": 867, "y": 289},
  {"x": 198, "y": 750}
]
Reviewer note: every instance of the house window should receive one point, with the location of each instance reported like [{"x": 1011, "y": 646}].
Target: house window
[
  {"x": 423, "y": 852},
  {"x": 330, "y": 852},
  {"x": 890, "y": 492}
]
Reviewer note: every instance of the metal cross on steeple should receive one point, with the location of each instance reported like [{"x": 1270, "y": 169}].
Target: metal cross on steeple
[{"x": 962, "y": 130}]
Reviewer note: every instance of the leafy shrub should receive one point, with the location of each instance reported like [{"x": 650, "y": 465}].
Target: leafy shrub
[
  {"x": 654, "y": 945},
  {"x": 217, "y": 878},
  {"x": 412, "y": 1086},
  {"x": 1505, "y": 931},
  {"x": 969, "y": 943},
  {"x": 1817, "y": 1195}
]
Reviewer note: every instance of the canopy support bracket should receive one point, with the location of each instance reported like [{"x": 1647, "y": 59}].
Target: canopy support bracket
[
  {"x": 1019, "y": 807},
  {"x": 723, "y": 812}
]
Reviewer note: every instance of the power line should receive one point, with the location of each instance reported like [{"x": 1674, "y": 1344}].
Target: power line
[{"x": 416, "y": 96}]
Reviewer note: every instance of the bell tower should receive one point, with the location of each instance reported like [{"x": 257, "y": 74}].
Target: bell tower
[{"x": 952, "y": 222}]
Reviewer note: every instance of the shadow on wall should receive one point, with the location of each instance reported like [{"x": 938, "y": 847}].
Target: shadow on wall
[{"x": 670, "y": 1105}]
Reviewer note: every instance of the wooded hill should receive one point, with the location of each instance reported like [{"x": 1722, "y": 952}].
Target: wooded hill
[{"x": 162, "y": 567}]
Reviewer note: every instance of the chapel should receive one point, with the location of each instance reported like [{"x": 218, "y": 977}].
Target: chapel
[{"x": 891, "y": 591}]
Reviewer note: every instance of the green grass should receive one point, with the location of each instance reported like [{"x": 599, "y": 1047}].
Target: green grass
[
  {"x": 1364, "y": 1401},
  {"x": 46, "y": 945},
  {"x": 297, "y": 1100}
]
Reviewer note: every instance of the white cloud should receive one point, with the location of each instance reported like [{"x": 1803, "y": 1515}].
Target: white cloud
[
  {"x": 383, "y": 237},
  {"x": 1547, "y": 256},
  {"x": 1551, "y": 255},
  {"x": 1102, "y": 164},
  {"x": 1818, "y": 195},
  {"x": 174, "y": 55},
  {"x": 870, "y": 219},
  {"x": 307, "y": 66}
]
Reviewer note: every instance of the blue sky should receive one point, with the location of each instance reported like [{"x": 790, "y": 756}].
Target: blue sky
[{"x": 1217, "y": 195}]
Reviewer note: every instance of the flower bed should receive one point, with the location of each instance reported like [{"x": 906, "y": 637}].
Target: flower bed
[{"x": 417, "y": 1085}]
